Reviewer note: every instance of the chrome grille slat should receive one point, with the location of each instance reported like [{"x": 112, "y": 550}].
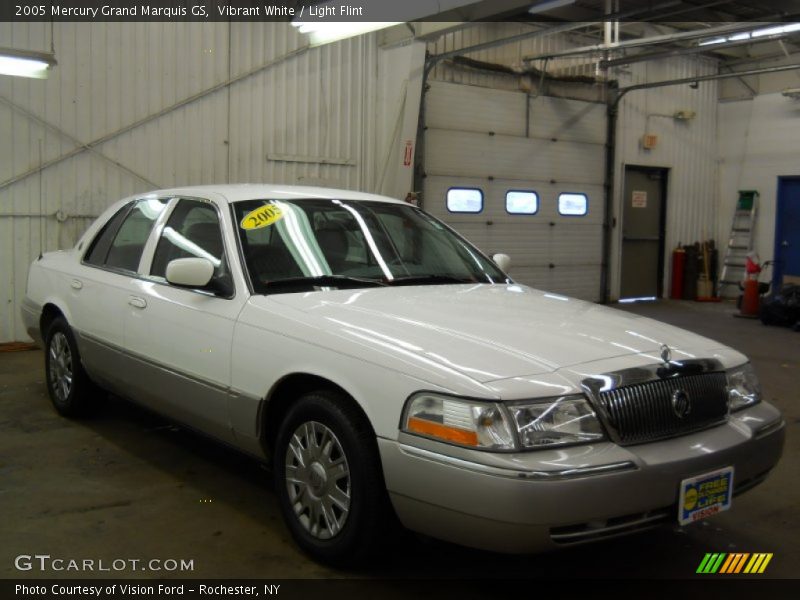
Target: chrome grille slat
[{"x": 643, "y": 412}]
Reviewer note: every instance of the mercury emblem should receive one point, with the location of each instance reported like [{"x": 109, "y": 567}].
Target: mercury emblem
[{"x": 681, "y": 404}]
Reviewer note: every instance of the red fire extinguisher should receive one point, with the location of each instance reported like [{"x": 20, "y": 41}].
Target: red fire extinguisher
[{"x": 678, "y": 265}]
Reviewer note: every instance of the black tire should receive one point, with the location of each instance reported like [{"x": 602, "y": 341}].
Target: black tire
[
  {"x": 78, "y": 397},
  {"x": 359, "y": 537}
]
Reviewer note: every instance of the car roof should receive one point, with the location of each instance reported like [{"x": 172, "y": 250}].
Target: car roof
[{"x": 257, "y": 191}]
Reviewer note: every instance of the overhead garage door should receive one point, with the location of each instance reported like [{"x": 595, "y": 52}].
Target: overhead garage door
[{"x": 488, "y": 140}]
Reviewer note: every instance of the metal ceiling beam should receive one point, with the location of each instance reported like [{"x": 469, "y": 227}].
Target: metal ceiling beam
[
  {"x": 658, "y": 39},
  {"x": 689, "y": 9},
  {"x": 688, "y": 80},
  {"x": 634, "y": 58},
  {"x": 549, "y": 31}
]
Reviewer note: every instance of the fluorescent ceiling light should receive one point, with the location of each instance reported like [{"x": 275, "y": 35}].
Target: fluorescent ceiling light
[
  {"x": 756, "y": 33},
  {"x": 325, "y": 32},
  {"x": 549, "y": 5},
  {"x": 25, "y": 63}
]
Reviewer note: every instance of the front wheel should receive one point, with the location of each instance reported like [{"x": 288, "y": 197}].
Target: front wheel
[
  {"x": 69, "y": 387},
  {"x": 329, "y": 480}
]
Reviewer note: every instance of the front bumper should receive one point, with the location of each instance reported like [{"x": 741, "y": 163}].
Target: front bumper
[{"x": 533, "y": 501}]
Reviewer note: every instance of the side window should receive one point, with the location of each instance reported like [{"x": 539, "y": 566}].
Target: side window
[
  {"x": 464, "y": 200},
  {"x": 128, "y": 244},
  {"x": 98, "y": 250},
  {"x": 573, "y": 205},
  {"x": 193, "y": 230},
  {"x": 522, "y": 202}
]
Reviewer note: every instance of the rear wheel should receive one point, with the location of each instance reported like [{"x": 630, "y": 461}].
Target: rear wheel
[
  {"x": 329, "y": 480},
  {"x": 71, "y": 391}
]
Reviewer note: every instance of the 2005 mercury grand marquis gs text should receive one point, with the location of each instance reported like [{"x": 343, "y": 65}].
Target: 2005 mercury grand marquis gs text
[{"x": 387, "y": 367}]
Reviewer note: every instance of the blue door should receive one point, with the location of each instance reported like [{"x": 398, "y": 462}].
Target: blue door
[{"x": 787, "y": 230}]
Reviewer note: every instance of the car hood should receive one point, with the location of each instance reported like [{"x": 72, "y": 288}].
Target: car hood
[{"x": 485, "y": 332}]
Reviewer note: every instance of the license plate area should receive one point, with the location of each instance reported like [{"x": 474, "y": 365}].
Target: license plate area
[{"x": 705, "y": 495}]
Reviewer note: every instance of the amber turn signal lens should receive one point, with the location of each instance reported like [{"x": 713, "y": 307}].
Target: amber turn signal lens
[{"x": 437, "y": 430}]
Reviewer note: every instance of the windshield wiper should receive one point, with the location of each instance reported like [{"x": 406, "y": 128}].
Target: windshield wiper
[
  {"x": 428, "y": 280},
  {"x": 321, "y": 281}
]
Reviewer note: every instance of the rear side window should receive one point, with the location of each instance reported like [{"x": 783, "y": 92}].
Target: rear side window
[
  {"x": 96, "y": 255},
  {"x": 128, "y": 244}
]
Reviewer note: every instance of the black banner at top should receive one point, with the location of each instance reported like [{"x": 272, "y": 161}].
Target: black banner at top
[{"x": 359, "y": 11}]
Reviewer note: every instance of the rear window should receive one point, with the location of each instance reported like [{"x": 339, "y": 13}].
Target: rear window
[{"x": 120, "y": 244}]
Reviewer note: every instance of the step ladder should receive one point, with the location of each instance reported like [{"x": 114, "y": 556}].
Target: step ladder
[{"x": 740, "y": 240}]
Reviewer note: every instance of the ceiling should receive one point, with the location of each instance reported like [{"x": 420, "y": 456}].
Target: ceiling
[{"x": 644, "y": 30}]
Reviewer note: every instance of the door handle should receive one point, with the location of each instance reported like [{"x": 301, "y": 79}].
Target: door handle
[
  {"x": 785, "y": 243},
  {"x": 76, "y": 284},
  {"x": 137, "y": 302}
]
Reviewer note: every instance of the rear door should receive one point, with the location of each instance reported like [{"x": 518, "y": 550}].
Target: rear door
[{"x": 100, "y": 290}]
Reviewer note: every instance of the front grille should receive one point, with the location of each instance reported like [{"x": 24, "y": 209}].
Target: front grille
[{"x": 644, "y": 412}]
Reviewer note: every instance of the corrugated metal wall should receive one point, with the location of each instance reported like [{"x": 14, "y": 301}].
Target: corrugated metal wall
[
  {"x": 759, "y": 141},
  {"x": 310, "y": 117},
  {"x": 687, "y": 148}
]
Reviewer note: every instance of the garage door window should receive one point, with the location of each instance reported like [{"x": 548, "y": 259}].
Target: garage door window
[
  {"x": 573, "y": 205},
  {"x": 522, "y": 202},
  {"x": 464, "y": 200}
]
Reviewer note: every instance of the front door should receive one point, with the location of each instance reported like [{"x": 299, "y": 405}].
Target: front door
[
  {"x": 643, "y": 232},
  {"x": 178, "y": 340},
  {"x": 787, "y": 232}
]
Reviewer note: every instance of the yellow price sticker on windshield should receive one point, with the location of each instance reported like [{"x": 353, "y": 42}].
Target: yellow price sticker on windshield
[{"x": 261, "y": 217}]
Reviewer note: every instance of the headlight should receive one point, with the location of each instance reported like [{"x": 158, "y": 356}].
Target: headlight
[
  {"x": 556, "y": 422},
  {"x": 463, "y": 422},
  {"x": 545, "y": 423},
  {"x": 743, "y": 387}
]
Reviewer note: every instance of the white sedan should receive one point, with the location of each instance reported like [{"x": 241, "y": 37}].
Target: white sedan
[{"x": 389, "y": 370}]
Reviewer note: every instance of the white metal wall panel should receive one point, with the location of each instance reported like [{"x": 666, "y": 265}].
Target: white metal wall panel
[
  {"x": 758, "y": 142},
  {"x": 688, "y": 148},
  {"x": 311, "y": 116},
  {"x": 558, "y": 253}
]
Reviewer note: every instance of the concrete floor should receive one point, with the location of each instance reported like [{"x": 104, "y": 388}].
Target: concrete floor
[{"x": 126, "y": 484}]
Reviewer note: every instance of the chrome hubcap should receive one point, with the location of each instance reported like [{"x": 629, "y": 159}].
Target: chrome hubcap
[
  {"x": 60, "y": 366},
  {"x": 318, "y": 480}
]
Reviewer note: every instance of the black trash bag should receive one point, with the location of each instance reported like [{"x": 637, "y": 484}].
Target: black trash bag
[{"x": 783, "y": 308}]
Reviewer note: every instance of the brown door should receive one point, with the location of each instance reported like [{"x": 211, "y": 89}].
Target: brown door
[{"x": 643, "y": 232}]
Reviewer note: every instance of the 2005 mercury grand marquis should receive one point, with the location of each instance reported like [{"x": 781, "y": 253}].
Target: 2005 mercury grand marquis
[{"x": 387, "y": 367}]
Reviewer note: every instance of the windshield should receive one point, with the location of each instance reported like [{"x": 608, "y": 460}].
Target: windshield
[{"x": 291, "y": 246}]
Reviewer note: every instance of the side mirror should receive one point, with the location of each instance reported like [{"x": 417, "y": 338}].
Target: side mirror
[
  {"x": 190, "y": 272},
  {"x": 503, "y": 261}
]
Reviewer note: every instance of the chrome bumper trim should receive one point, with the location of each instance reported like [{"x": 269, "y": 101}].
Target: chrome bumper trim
[
  {"x": 772, "y": 427},
  {"x": 556, "y": 475}
]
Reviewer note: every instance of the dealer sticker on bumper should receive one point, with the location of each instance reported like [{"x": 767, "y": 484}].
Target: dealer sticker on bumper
[{"x": 705, "y": 495}]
